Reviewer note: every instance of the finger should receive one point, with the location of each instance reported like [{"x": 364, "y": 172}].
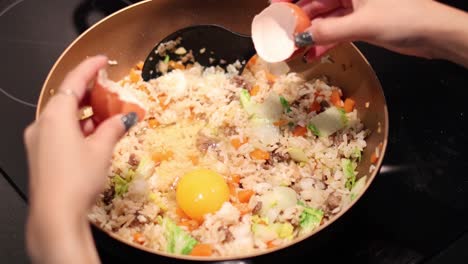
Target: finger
[
  {"x": 336, "y": 29},
  {"x": 318, "y": 7},
  {"x": 279, "y": 1},
  {"x": 109, "y": 132},
  {"x": 87, "y": 127}
]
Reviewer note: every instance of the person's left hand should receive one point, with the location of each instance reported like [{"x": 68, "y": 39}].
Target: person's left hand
[{"x": 68, "y": 161}]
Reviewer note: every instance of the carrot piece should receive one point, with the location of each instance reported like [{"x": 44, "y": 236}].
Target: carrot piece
[
  {"x": 242, "y": 207},
  {"x": 315, "y": 107},
  {"x": 252, "y": 61},
  {"x": 349, "y": 105},
  {"x": 237, "y": 143},
  {"x": 271, "y": 244},
  {"x": 139, "y": 65},
  {"x": 235, "y": 178},
  {"x": 373, "y": 158},
  {"x": 194, "y": 159},
  {"x": 258, "y": 154},
  {"x": 335, "y": 98},
  {"x": 190, "y": 224},
  {"x": 280, "y": 122},
  {"x": 162, "y": 101},
  {"x": 254, "y": 91},
  {"x": 299, "y": 131},
  {"x": 176, "y": 65},
  {"x": 202, "y": 250},
  {"x": 159, "y": 157},
  {"x": 244, "y": 195},
  {"x": 153, "y": 122},
  {"x": 232, "y": 189},
  {"x": 138, "y": 238},
  {"x": 271, "y": 78},
  {"x": 134, "y": 76}
]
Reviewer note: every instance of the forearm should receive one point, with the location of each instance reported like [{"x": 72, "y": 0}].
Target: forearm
[
  {"x": 59, "y": 237},
  {"x": 447, "y": 35}
]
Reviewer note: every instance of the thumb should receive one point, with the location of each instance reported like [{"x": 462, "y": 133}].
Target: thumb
[
  {"x": 111, "y": 131},
  {"x": 332, "y": 30}
]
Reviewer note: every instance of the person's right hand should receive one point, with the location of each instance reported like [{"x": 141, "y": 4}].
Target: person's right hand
[{"x": 400, "y": 25}]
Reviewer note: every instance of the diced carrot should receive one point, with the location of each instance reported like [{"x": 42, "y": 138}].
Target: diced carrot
[
  {"x": 138, "y": 238},
  {"x": 176, "y": 65},
  {"x": 373, "y": 158},
  {"x": 252, "y": 61},
  {"x": 192, "y": 114},
  {"x": 258, "y": 154},
  {"x": 181, "y": 213},
  {"x": 280, "y": 122},
  {"x": 162, "y": 101},
  {"x": 189, "y": 66},
  {"x": 299, "y": 131},
  {"x": 335, "y": 98},
  {"x": 237, "y": 143},
  {"x": 159, "y": 157},
  {"x": 244, "y": 195},
  {"x": 271, "y": 244},
  {"x": 202, "y": 250},
  {"x": 315, "y": 107},
  {"x": 194, "y": 159},
  {"x": 232, "y": 189},
  {"x": 190, "y": 224},
  {"x": 134, "y": 76},
  {"x": 153, "y": 122},
  {"x": 349, "y": 105},
  {"x": 271, "y": 78},
  {"x": 242, "y": 207},
  {"x": 235, "y": 178},
  {"x": 254, "y": 91},
  {"x": 139, "y": 65}
]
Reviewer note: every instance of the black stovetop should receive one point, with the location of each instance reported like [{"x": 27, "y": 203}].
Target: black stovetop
[{"x": 416, "y": 211}]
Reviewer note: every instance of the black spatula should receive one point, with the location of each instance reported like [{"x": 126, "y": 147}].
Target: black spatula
[{"x": 211, "y": 45}]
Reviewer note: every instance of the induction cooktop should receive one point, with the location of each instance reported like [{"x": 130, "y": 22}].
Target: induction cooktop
[{"x": 416, "y": 211}]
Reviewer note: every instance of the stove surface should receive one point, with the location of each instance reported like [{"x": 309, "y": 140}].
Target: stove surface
[{"x": 415, "y": 210}]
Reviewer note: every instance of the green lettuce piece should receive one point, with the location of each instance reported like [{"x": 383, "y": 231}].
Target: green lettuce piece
[
  {"x": 309, "y": 219},
  {"x": 344, "y": 118},
  {"x": 121, "y": 184},
  {"x": 285, "y": 104},
  {"x": 178, "y": 241},
  {"x": 166, "y": 59},
  {"x": 348, "y": 169},
  {"x": 145, "y": 167},
  {"x": 283, "y": 230},
  {"x": 357, "y": 154},
  {"x": 314, "y": 129}
]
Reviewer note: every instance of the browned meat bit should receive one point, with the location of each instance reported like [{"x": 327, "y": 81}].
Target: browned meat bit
[
  {"x": 229, "y": 130},
  {"x": 204, "y": 142},
  {"x": 280, "y": 157},
  {"x": 108, "y": 195},
  {"x": 228, "y": 236},
  {"x": 240, "y": 82},
  {"x": 188, "y": 57},
  {"x": 333, "y": 201},
  {"x": 133, "y": 160},
  {"x": 257, "y": 208},
  {"x": 324, "y": 104}
]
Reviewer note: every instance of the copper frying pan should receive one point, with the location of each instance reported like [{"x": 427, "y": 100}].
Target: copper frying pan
[{"x": 127, "y": 36}]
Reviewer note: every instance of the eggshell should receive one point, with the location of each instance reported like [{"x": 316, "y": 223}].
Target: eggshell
[
  {"x": 274, "y": 29},
  {"x": 108, "y": 100}
]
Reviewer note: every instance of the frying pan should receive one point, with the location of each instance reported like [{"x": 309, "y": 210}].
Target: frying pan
[{"x": 127, "y": 35}]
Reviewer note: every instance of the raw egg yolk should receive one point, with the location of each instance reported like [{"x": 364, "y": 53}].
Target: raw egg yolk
[{"x": 200, "y": 192}]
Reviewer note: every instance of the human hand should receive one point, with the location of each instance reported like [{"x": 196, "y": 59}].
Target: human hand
[
  {"x": 68, "y": 165},
  {"x": 408, "y": 27}
]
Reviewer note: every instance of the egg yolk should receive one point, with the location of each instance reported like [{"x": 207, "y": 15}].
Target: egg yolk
[{"x": 200, "y": 192}]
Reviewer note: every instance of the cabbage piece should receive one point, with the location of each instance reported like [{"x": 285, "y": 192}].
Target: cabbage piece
[
  {"x": 145, "y": 167},
  {"x": 121, "y": 184},
  {"x": 358, "y": 188},
  {"x": 348, "y": 170},
  {"x": 273, "y": 231},
  {"x": 279, "y": 198},
  {"x": 178, "y": 241},
  {"x": 328, "y": 122},
  {"x": 285, "y": 104},
  {"x": 309, "y": 219},
  {"x": 297, "y": 154}
]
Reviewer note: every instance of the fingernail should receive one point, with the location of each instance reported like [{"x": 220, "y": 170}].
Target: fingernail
[
  {"x": 303, "y": 39},
  {"x": 129, "y": 120}
]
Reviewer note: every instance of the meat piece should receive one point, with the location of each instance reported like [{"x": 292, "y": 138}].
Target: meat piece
[
  {"x": 324, "y": 104},
  {"x": 240, "y": 82},
  {"x": 229, "y": 236},
  {"x": 229, "y": 130},
  {"x": 333, "y": 201},
  {"x": 187, "y": 57},
  {"x": 280, "y": 157},
  {"x": 257, "y": 208},
  {"x": 108, "y": 195},
  {"x": 133, "y": 160},
  {"x": 204, "y": 142}
]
